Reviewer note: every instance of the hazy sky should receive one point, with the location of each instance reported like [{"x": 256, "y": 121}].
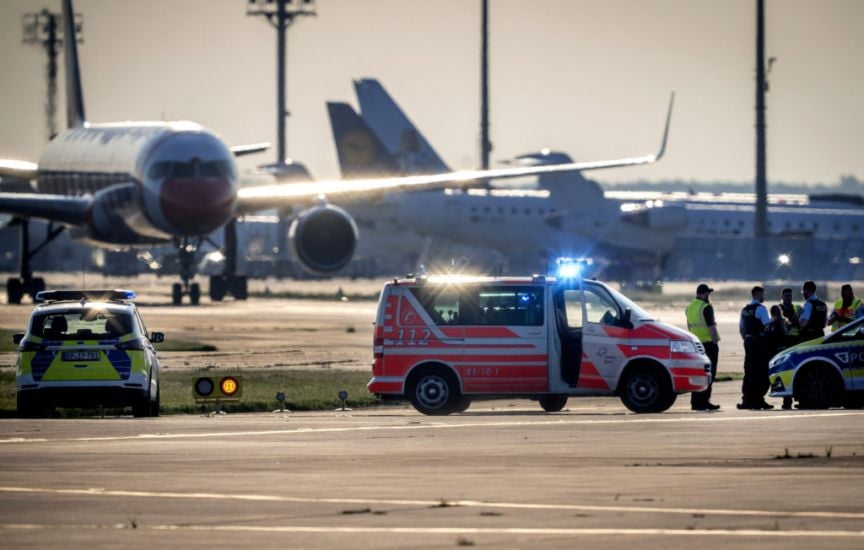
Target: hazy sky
[{"x": 589, "y": 77}]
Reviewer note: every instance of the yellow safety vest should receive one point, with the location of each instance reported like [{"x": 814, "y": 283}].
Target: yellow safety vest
[
  {"x": 847, "y": 312},
  {"x": 696, "y": 321}
]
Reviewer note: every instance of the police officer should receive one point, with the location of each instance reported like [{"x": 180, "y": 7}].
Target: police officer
[
  {"x": 811, "y": 320},
  {"x": 845, "y": 308},
  {"x": 790, "y": 313},
  {"x": 701, "y": 322},
  {"x": 754, "y": 320}
]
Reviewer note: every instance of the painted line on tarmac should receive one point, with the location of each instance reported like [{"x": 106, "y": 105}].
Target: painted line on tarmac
[
  {"x": 433, "y": 426},
  {"x": 97, "y": 492},
  {"x": 765, "y": 533}
]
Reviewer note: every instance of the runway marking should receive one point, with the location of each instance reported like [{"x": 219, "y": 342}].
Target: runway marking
[
  {"x": 433, "y": 426},
  {"x": 97, "y": 492},
  {"x": 766, "y": 533}
]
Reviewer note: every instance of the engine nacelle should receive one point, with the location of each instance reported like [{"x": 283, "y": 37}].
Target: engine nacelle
[
  {"x": 323, "y": 239},
  {"x": 112, "y": 216}
]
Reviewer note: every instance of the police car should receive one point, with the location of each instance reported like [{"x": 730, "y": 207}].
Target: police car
[
  {"x": 87, "y": 349},
  {"x": 825, "y": 372}
]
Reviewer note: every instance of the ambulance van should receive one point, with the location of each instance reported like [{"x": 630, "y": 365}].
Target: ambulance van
[{"x": 442, "y": 342}]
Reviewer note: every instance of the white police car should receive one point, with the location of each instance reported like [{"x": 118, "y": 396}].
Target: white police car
[
  {"x": 87, "y": 349},
  {"x": 824, "y": 372}
]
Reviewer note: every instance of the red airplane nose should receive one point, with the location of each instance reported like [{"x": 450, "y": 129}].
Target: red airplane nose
[{"x": 197, "y": 206}]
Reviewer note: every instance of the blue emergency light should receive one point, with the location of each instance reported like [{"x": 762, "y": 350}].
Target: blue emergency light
[
  {"x": 569, "y": 268},
  {"x": 96, "y": 295}
]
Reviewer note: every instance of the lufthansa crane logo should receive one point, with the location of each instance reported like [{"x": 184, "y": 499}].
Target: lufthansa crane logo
[{"x": 357, "y": 147}]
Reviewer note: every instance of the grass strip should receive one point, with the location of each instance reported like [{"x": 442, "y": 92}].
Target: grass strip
[{"x": 305, "y": 390}]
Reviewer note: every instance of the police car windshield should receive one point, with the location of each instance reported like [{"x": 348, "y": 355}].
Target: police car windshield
[
  {"x": 81, "y": 324},
  {"x": 636, "y": 312}
]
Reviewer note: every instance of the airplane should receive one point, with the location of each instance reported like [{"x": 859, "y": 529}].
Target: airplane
[
  {"x": 136, "y": 184},
  {"x": 637, "y": 232}
]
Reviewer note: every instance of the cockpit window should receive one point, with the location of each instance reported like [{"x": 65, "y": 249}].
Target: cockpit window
[{"x": 193, "y": 169}]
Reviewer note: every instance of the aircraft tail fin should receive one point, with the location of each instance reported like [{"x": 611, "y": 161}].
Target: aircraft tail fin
[
  {"x": 361, "y": 153},
  {"x": 395, "y": 130},
  {"x": 74, "y": 96}
]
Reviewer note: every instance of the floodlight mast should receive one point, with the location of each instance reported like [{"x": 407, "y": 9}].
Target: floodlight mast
[
  {"x": 45, "y": 29},
  {"x": 280, "y": 14}
]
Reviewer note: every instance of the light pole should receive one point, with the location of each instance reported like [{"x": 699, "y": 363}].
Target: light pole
[
  {"x": 44, "y": 28},
  {"x": 280, "y": 14}
]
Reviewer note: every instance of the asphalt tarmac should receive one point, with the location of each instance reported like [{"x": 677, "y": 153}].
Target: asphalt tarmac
[{"x": 503, "y": 474}]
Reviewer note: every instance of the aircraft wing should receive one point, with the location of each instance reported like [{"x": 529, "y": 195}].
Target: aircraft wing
[
  {"x": 252, "y": 148},
  {"x": 251, "y": 199},
  {"x": 55, "y": 208},
  {"x": 20, "y": 169}
]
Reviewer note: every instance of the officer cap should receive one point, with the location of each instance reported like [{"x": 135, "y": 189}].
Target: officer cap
[{"x": 703, "y": 288}]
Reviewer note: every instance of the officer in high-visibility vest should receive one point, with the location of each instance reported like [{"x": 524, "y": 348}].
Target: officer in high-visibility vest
[
  {"x": 701, "y": 322},
  {"x": 754, "y": 319},
  {"x": 790, "y": 313},
  {"x": 845, "y": 308}
]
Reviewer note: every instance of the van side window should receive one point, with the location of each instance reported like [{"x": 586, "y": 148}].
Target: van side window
[
  {"x": 510, "y": 306},
  {"x": 599, "y": 307},
  {"x": 442, "y": 303},
  {"x": 475, "y": 305},
  {"x": 573, "y": 309}
]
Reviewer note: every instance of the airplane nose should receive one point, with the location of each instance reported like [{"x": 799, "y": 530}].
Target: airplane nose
[{"x": 197, "y": 206}]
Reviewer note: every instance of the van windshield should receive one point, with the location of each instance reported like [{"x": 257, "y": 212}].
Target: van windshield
[
  {"x": 81, "y": 324},
  {"x": 636, "y": 312}
]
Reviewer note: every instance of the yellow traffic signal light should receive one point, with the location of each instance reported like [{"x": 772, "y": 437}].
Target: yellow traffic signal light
[{"x": 217, "y": 388}]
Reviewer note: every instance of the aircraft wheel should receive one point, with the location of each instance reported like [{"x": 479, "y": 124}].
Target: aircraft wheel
[
  {"x": 217, "y": 288},
  {"x": 239, "y": 287},
  {"x": 14, "y": 290},
  {"x": 194, "y": 294},
  {"x": 176, "y": 294}
]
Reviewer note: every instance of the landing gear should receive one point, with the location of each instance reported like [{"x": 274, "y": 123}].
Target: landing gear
[
  {"x": 229, "y": 282},
  {"x": 186, "y": 254},
  {"x": 16, "y": 288}
]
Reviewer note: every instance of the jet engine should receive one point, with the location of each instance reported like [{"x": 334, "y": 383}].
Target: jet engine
[
  {"x": 323, "y": 239},
  {"x": 111, "y": 216}
]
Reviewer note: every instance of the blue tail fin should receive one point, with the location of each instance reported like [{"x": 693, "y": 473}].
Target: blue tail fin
[
  {"x": 399, "y": 135},
  {"x": 361, "y": 153},
  {"x": 74, "y": 97}
]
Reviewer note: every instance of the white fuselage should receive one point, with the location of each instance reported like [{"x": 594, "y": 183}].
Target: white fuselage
[{"x": 151, "y": 182}]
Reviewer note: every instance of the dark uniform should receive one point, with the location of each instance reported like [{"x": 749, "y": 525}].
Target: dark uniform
[
  {"x": 754, "y": 318},
  {"x": 815, "y": 312}
]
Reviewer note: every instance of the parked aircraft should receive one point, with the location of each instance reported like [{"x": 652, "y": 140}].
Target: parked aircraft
[
  {"x": 141, "y": 183},
  {"x": 620, "y": 225}
]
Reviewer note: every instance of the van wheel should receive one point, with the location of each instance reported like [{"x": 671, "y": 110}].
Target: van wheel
[
  {"x": 435, "y": 392},
  {"x": 463, "y": 405},
  {"x": 647, "y": 390},
  {"x": 817, "y": 387},
  {"x": 553, "y": 403}
]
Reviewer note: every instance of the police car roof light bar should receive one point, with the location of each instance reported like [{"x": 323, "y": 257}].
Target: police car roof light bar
[{"x": 96, "y": 295}]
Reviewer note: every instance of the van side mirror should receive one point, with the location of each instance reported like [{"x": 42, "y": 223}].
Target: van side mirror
[
  {"x": 626, "y": 322},
  {"x": 16, "y": 338},
  {"x": 157, "y": 337}
]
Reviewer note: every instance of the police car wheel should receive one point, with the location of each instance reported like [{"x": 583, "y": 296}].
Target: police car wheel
[
  {"x": 28, "y": 407},
  {"x": 817, "y": 387},
  {"x": 434, "y": 392},
  {"x": 553, "y": 403},
  {"x": 647, "y": 390}
]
